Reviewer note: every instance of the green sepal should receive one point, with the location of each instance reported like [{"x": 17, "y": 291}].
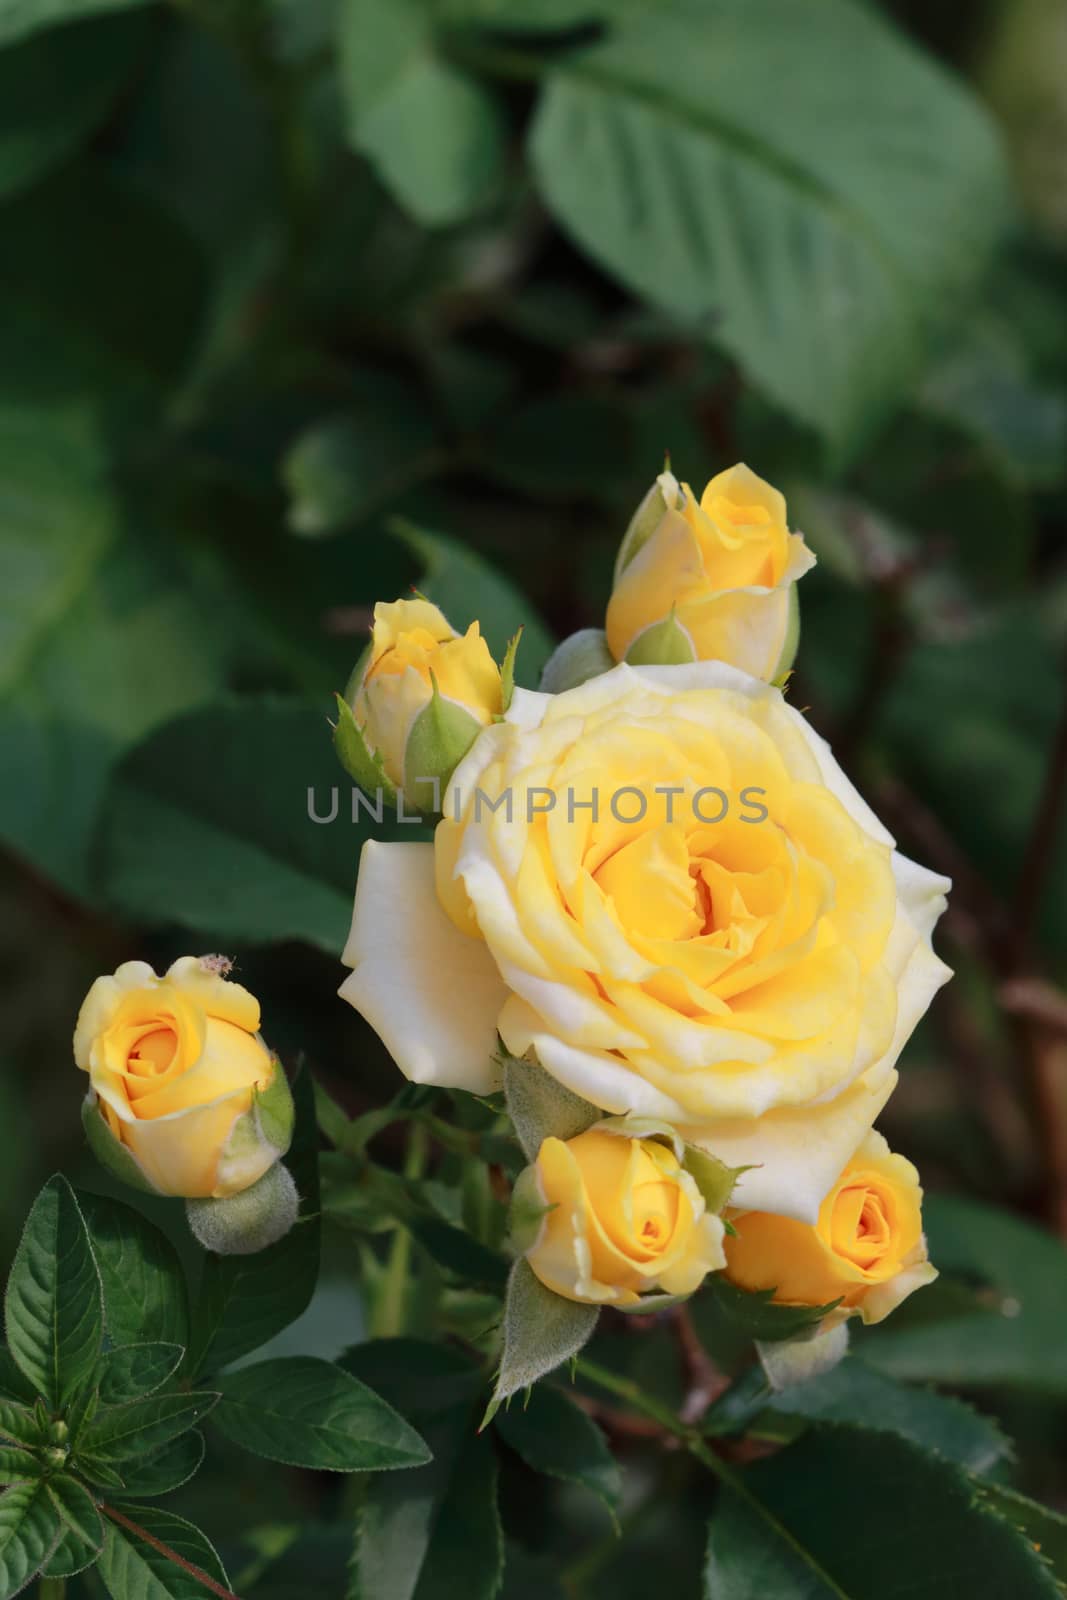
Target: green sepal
[
  {"x": 643, "y": 524},
  {"x": 757, "y": 1315},
  {"x": 540, "y": 1108},
  {"x": 582, "y": 656},
  {"x": 526, "y": 1213},
  {"x": 713, "y": 1177},
  {"x": 507, "y": 671},
  {"x": 541, "y": 1331},
  {"x": 662, "y": 644},
  {"x": 109, "y": 1151},
  {"x": 274, "y": 1111},
  {"x": 355, "y": 755},
  {"x": 438, "y": 739},
  {"x": 780, "y": 675}
]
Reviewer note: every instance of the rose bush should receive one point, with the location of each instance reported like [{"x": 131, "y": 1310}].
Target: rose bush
[
  {"x": 184, "y": 1096},
  {"x": 751, "y": 981}
]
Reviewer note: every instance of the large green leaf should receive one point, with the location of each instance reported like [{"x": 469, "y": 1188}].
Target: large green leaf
[
  {"x": 553, "y": 1435},
  {"x": 808, "y": 217},
  {"x": 131, "y": 1370},
  {"x": 433, "y": 134},
  {"x": 166, "y": 1471},
  {"x": 30, "y": 1529},
  {"x": 800, "y": 1528},
  {"x": 142, "y": 1427},
  {"x": 1044, "y": 1528},
  {"x": 434, "y": 1533},
  {"x": 110, "y": 338},
  {"x": 96, "y": 645},
  {"x": 310, "y": 1413},
  {"x": 132, "y": 1569},
  {"x": 145, "y": 1297},
  {"x": 241, "y": 854},
  {"x": 996, "y": 1314},
  {"x": 246, "y": 1300},
  {"x": 56, "y": 88},
  {"x": 21, "y": 17},
  {"x": 854, "y": 1392},
  {"x": 53, "y": 1306}
]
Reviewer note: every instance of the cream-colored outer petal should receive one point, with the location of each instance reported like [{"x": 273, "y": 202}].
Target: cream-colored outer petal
[
  {"x": 795, "y": 1153},
  {"x": 432, "y": 994}
]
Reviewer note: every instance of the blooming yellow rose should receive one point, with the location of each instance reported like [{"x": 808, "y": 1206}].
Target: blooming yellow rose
[
  {"x": 661, "y": 883},
  {"x": 867, "y": 1248},
  {"x": 184, "y": 1097},
  {"x": 623, "y": 1218},
  {"x": 709, "y": 580},
  {"x": 416, "y": 733}
]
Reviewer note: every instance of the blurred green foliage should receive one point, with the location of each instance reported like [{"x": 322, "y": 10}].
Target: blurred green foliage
[{"x": 275, "y": 272}]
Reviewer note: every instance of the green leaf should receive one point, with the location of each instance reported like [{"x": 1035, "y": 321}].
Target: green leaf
[
  {"x": 13, "y": 1383},
  {"x": 145, "y": 1297},
  {"x": 811, "y": 244},
  {"x": 133, "y": 1570},
  {"x": 239, "y": 855},
  {"x": 18, "y": 1466},
  {"x": 30, "y": 1529},
  {"x": 21, "y": 17},
  {"x": 554, "y": 1436},
  {"x": 246, "y": 1300},
  {"x": 541, "y": 1108},
  {"x": 71, "y": 1555},
  {"x": 854, "y": 1392},
  {"x": 996, "y": 1313},
  {"x": 432, "y": 1533},
  {"x": 56, "y": 88},
  {"x": 75, "y": 690},
  {"x": 132, "y": 1370},
  {"x": 342, "y": 469},
  {"x": 53, "y": 1307},
  {"x": 78, "y": 1510},
  {"x": 1042, "y": 1527},
  {"x": 791, "y": 1529},
  {"x": 141, "y": 1427},
  {"x": 174, "y": 1465},
  {"x": 756, "y": 1316},
  {"x": 19, "y": 1424},
  {"x": 468, "y": 589},
  {"x": 434, "y": 135},
  {"x": 541, "y": 1331},
  {"x": 310, "y": 1413}
]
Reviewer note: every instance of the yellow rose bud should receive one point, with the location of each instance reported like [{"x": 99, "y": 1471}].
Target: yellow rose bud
[
  {"x": 185, "y": 1098},
  {"x": 709, "y": 580},
  {"x": 423, "y": 694},
  {"x": 867, "y": 1248},
  {"x": 625, "y": 1219}
]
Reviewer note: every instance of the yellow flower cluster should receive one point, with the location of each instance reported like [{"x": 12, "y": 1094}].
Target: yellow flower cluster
[{"x": 658, "y": 887}]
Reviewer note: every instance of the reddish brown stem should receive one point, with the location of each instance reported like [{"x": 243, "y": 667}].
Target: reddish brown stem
[{"x": 165, "y": 1550}]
